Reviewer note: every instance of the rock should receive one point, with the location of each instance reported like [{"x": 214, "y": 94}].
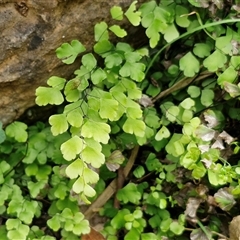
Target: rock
[
  {"x": 31, "y": 30},
  {"x": 234, "y": 230}
]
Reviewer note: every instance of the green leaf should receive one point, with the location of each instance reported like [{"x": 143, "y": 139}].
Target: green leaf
[
  {"x": 108, "y": 109},
  {"x": 172, "y": 113},
  {"x": 56, "y": 82},
  {"x": 182, "y": 17},
  {"x": 116, "y": 13},
  {"x": 72, "y": 147},
  {"x": 129, "y": 193},
  {"x": 68, "y": 52},
  {"x": 54, "y": 223},
  {"x": 89, "y": 191},
  {"x": 59, "y": 124},
  {"x": 75, "y": 118},
  {"x": 17, "y": 130},
  {"x": 202, "y": 50},
  {"x": 47, "y": 95},
  {"x": 188, "y": 103},
  {"x": 171, "y": 33},
  {"x": 75, "y": 169},
  {"x": 92, "y": 156},
  {"x": 132, "y": 15},
  {"x": 89, "y": 61},
  {"x": 224, "y": 43},
  {"x": 71, "y": 90},
  {"x": 176, "y": 228},
  {"x": 207, "y": 97},
  {"x": 118, "y": 31},
  {"x": 162, "y": 133},
  {"x": 229, "y": 75},
  {"x": 78, "y": 185},
  {"x": 100, "y": 31},
  {"x": 97, "y": 130},
  {"x": 194, "y": 91},
  {"x": 215, "y": 61},
  {"x": 98, "y": 76},
  {"x": 152, "y": 33},
  {"x": 81, "y": 228},
  {"x": 134, "y": 70},
  {"x": 139, "y": 172},
  {"x": 113, "y": 60},
  {"x": 134, "y": 126},
  {"x": 90, "y": 176},
  {"x": 102, "y": 47},
  {"x": 189, "y": 65}
]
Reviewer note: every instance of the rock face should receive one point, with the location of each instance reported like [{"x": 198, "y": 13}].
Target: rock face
[{"x": 30, "y": 32}]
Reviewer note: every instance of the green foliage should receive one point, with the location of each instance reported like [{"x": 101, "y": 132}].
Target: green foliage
[{"x": 176, "y": 98}]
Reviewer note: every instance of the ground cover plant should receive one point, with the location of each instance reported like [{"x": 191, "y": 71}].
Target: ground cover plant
[{"x": 145, "y": 137}]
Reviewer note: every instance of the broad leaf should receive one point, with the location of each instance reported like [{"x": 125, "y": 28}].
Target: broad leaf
[
  {"x": 189, "y": 65},
  {"x": 118, "y": 31},
  {"x": 134, "y": 126},
  {"x": 202, "y": 50},
  {"x": 47, "y": 95},
  {"x": 129, "y": 193},
  {"x": 215, "y": 61},
  {"x": 102, "y": 47},
  {"x": 162, "y": 133},
  {"x": 89, "y": 61},
  {"x": 68, "y": 52},
  {"x": 75, "y": 169},
  {"x": 171, "y": 33},
  {"x": 229, "y": 75},
  {"x": 92, "y": 156},
  {"x": 72, "y": 147},
  {"x": 59, "y": 124},
  {"x": 132, "y": 15},
  {"x": 56, "y": 82},
  {"x": 17, "y": 130},
  {"x": 97, "y": 130},
  {"x": 75, "y": 117},
  {"x": 98, "y": 76},
  {"x": 100, "y": 31},
  {"x": 116, "y": 13},
  {"x": 112, "y": 60},
  {"x": 108, "y": 109}
]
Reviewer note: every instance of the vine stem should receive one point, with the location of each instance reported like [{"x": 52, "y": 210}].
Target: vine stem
[{"x": 202, "y": 27}]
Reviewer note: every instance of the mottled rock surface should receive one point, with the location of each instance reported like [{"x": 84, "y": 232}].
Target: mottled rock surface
[{"x": 30, "y": 32}]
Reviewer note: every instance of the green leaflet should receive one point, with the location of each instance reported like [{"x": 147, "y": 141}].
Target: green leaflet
[
  {"x": 134, "y": 126},
  {"x": 132, "y": 15},
  {"x": 75, "y": 169},
  {"x": 46, "y": 95},
  {"x": 100, "y": 31},
  {"x": 72, "y": 147},
  {"x": 189, "y": 65},
  {"x": 116, "y": 12},
  {"x": 118, "y": 31},
  {"x": 59, "y": 124},
  {"x": 56, "y": 82},
  {"x": 17, "y": 130},
  {"x": 215, "y": 61},
  {"x": 68, "y": 52},
  {"x": 97, "y": 130}
]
